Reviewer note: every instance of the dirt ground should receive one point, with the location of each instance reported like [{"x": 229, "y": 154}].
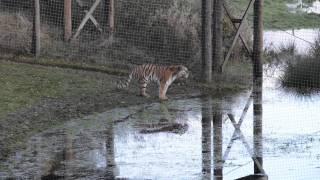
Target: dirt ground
[{"x": 18, "y": 126}]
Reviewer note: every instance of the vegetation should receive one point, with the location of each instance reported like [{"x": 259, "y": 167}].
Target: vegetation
[
  {"x": 277, "y": 15},
  {"x": 167, "y": 31},
  {"x": 300, "y": 72},
  {"x": 24, "y": 85},
  {"x": 302, "y": 75}
]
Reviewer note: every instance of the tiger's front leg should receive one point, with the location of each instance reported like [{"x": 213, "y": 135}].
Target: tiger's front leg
[
  {"x": 143, "y": 87},
  {"x": 163, "y": 90}
]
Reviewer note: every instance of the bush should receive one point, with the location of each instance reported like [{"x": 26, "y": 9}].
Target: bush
[
  {"x": 303, "y": 73},
  {"x": 168, "y": 31},
  {"x": 15, "y": 32}
]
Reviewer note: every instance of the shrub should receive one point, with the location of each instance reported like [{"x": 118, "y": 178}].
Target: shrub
[
  {"x": 15, "y": 32},
  {"x": 168, "y": 31},
  {"x": 303, "y": 73}
]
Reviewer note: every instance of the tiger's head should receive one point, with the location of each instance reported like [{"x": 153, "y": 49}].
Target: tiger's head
[{"x": 180, "y": 72}]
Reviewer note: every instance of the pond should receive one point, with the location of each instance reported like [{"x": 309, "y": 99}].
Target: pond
[
  {"x": 300, "y": 5},
  {"x": 302, "y": 38},
  {"x": 180, "y": 139}
]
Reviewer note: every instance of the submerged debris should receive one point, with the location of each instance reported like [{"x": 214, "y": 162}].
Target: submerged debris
[{"x": 172, "y": 128}]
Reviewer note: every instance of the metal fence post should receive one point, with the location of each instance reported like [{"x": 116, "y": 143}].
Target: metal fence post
[{"x": 207, "y": 40}]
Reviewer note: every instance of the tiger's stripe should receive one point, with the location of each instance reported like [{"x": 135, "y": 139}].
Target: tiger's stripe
[{"x": 163, "y": 75}]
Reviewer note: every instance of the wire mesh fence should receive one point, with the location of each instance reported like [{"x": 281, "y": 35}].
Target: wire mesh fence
[
  {"x": 124, "y": 33},
  {"x": 145, "y": 31},
  {"x": 111, "y": 32}
]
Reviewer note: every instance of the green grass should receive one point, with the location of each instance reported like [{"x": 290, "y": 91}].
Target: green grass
[
  {"x": 277, "y": 15},
  {"x": 23, "y": 85}
]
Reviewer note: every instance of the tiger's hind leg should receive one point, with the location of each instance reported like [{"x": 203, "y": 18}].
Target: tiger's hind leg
[{"x": 143, "y": 86}]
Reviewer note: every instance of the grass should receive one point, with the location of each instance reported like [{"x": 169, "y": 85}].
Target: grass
[
  {"x": 277, "y": 15},
  {"x": 24, "y": 85},
  {"x": 302, "y": 75}
]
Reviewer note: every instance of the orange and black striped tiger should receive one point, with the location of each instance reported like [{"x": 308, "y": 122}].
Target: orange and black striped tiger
[{"x": 163, "y": 75}]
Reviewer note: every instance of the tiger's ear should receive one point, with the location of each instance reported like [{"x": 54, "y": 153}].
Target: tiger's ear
[{"x": 175, "y": 68}]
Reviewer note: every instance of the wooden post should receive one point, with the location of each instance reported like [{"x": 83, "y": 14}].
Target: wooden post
[
  {"x": 86, "y": 18},
  {"x": 257, "y": 82},
  {"x": 207, "y": 40},
  {"x": 110, "y": 13},
  {"x": 217, "y": 35},
  {"x": 67, "y": 19},
  {"x": 35, "y": 44},
  {"x": 249, "y": 51}
]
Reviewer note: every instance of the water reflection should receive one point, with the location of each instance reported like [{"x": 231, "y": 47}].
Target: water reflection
[
  {"x": 139, "y": 142},
  {"x": 217, "y": 143},
  {"x": 212, "y": 131},
  {"x": 206, "y": 137},
  {"x": 209, "y": 138},
  {"x": 111, "y": 167}
]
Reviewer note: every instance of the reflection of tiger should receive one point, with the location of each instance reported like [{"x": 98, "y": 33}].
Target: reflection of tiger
[{"x": 163, "y": 75}]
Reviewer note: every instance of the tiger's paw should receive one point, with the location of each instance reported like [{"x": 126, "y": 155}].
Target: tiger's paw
[
  {"x": 145, "y": 95},
  {"x": 164, "y": 98}
]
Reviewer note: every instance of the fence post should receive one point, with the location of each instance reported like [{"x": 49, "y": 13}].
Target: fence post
[
  {"x": 217, "y": 35},
  {"x": 206, "y": 49},
  {"x": 110, "y": 12},
  {"x": 67, "y": 19},
  {"x": 257, "y": 82},
  {"x": 35, "y": 44}
]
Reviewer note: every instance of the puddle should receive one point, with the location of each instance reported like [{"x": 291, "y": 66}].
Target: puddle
[{"x": 179, "y": 140}]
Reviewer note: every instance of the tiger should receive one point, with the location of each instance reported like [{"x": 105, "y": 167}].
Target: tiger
[{"x": 163, "y": 75}]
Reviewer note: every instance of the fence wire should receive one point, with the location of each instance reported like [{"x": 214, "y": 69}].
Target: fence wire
[
  {"x": 124, "y": 33},
  {"x": 166, "y": 32}
]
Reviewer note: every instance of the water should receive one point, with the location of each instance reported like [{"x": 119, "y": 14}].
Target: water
[
  {"x": 178, "y": 140},
  {"x": 173, "y": 141},
  {"x": 313, "y": 8}
]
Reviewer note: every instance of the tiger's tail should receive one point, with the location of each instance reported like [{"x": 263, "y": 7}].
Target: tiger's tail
[{"x": 125, "y": 83}]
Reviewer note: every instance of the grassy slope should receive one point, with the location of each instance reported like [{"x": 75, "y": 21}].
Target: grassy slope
[
  {"x": 24, "y": 85},
  {"x": 276, "y": 15}
]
